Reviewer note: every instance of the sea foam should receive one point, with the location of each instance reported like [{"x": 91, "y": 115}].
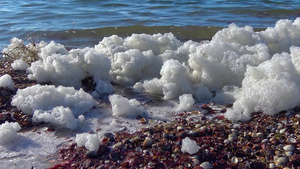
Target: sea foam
[{"x": 254, "y": 71}]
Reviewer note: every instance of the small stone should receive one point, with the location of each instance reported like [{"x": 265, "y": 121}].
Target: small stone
[
  {"x": 288, "y": 153},
  {"x": 281, "y": 160},
  {"x": 288, "y": 147},
  {"x": 180, "y": 128},
  {"x": 291, "y": 140},
  {"x": 265, "y": 141},
  {"x": 226, "y": 141},
  {"x": 234, "y": 160},
  {"x": 232, "y": 137},
  {"x": 196, "y": 161},
  {"x": 260, "y": 135},
  {"x": 118, "y": 145},
  {"x": 147, "y": 142},
  {"x": 272, "y": 165},
  {"x": 206, "y": 165},
  {"x": 282, "y": 131}
]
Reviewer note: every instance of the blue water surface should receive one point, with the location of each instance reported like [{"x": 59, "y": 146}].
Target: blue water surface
[{"x": 22, "y": 18}]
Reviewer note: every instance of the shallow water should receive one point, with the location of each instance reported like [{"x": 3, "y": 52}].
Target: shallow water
[{"x": 56, "y": 20}]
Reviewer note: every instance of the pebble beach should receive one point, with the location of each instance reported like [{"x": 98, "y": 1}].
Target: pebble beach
[{"x": 263, "y": 142}]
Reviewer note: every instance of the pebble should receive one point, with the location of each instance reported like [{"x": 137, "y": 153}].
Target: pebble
[
  {"x": 265, "y": 141},
  {"x": 288, "y": 147},
  {"x": 282, "y": 131},
  {"x": 288, "y": 153},
  {"x": 291, "y": 140},
  {"x": 196, "y": 161},
  {"x": 206, "y": 165},
  {"x": 234, "y": 160},
  {"x": 281, "y": 160},
  {"x": 118, "y": 145},
  {"x": 272, "y": 165},
  {"x": 147, "y": 142},
  {"x": 232, "y": 137},
  {"x": 260, "y": 135},
  {"x": 227, "y": 141}
]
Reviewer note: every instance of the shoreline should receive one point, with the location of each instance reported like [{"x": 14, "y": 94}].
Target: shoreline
[{"x": 263, "y": 142}]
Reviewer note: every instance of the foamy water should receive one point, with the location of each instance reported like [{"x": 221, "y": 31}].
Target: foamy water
[{"x": 155, "y": 75}]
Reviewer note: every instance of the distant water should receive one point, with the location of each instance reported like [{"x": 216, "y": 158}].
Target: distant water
[{"x": 78, "y": 23}]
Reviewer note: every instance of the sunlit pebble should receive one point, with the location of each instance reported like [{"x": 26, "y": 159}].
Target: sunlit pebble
[
  {"x": 198, "y": 125},
  {"x": 147, "y": 142},
  {"x": 288, "y": 153},
  {"x": 265, "y": 141},
  {"x": 272, "y": 165},
  {"x": 234, "y": 160},
  {"x": 196, "y": 160},
  {"x": 206, "y": 165},
  {"x": 291, "y": 140},
  {"x": 180, "y": 128},
  {"x": 282, "y": 131},
  {"x": 288, "y": 147},
  {"x": 227, "y": 141},
  {"x": 281, "y": 160},
  {"x": 260, "y": 135},
  {"x": 118, "y": 145},
  {"x": 280, "y": 126}
]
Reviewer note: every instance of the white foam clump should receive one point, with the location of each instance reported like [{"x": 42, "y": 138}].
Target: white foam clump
[
  {"x": 189, "y": 146},
  {"x": 6, "y": 81},
  {"x": 47, "y": 97},
  {"x": 59, "y": 116},
  {"x": 69, "y": 68},
  {"x": 19, "y": 64},
  {"x": 8, "y": 132},
  {"x": 186, "y": 102},
  {"x": 161, "y": 64},
  {"x": 123, "y": 107},
  {"x": 89, "y": 141},
  {"x": 271, "y": 87}
]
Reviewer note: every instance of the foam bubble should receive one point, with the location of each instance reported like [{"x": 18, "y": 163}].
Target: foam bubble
[
  {"x": 19, "y": 64},
  {"x": 123, "y": 107},
  {"x": 8, "y": 132},
  {"x": 47, "y": 97},
  {"x": 189, "y": 146},
  {"x": 6, "y": 81}
]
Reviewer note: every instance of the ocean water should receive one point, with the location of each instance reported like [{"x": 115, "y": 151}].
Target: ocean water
[
  {"x": 78, "y": 23},
  {"x": 190, "y": 54}
]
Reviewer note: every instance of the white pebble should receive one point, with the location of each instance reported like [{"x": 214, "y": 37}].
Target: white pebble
[
  {"x": 206, "y": 165},
  {"x": 288, "y": 147}
]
